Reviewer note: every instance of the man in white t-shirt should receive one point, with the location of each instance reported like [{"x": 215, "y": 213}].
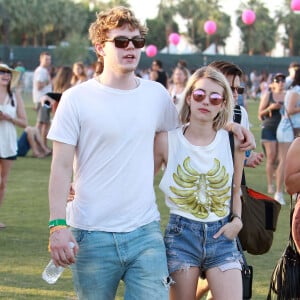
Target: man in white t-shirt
[
  {"x": 107, "y": 124},
  {"x": 41, "y": 86}
]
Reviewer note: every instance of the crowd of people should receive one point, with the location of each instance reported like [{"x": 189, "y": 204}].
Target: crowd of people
[{"x": 104, "y": 146}]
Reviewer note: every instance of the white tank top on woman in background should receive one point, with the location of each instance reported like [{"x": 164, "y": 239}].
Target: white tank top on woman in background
[{"x": 8, "y": 133}]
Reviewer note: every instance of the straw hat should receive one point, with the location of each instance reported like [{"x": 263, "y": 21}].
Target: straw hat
[{"x": 15, "y": 75}]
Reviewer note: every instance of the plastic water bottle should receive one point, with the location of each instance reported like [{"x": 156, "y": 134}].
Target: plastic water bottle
[{"x": 51, "y": 273}]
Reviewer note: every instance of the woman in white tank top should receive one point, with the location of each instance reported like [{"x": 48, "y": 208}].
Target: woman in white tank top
[{"x": 12, "y": 113}]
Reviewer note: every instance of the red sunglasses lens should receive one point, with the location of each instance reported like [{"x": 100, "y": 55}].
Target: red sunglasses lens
[
  {"x": 215, "y": 99},
  {"x": 199, "y": 95}
]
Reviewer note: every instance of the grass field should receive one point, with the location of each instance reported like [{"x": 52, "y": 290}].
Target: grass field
[{"x": 23, "y": 244}]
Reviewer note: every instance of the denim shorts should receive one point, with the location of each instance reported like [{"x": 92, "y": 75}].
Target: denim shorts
[
  {"x": 23, "y": 144},
  {"x": 268, "y": 134},
  {"x": 191, "y": 244},
  {"x": 285, "y": 132},
  {"x": 104, "y": 258}
]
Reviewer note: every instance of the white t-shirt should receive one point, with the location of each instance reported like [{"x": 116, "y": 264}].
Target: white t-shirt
[
  {"x": 40, "y": 74},
  {"x": 113, "y": 132},
  {"x": 197, "y": 179}
]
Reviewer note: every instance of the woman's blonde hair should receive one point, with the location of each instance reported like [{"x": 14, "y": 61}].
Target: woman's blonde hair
[{"x": 226, "y": 114}]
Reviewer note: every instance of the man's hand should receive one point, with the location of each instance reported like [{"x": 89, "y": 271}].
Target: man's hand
[
  {"x": 255, "y": 159},
  {"x": 244, "y": 135}
]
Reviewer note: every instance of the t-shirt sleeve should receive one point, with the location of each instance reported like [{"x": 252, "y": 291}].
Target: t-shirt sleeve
[
  {"x": 168, "y": 118},
  {"x": 65, "y": 126}
]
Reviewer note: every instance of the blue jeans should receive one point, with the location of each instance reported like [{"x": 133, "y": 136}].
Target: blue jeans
[
  {"x": 104, "y": 258},
  {"x": 191, "y": 244}
]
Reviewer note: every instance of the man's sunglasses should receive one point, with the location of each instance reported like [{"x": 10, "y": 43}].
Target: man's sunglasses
[
  {"x": 214, "y": 98},
  {"x": 237, "y": 89},
  {"x": 123, "y": 41},
  {"x": 2, "y": 72}
]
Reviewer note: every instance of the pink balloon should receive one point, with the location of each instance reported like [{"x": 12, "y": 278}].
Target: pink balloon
[
  {"x": 151, "y": 50},
  {"x": 295, "y": 5},
  {"x": 174, "y": 38},
  {"x": 210, "y": 27},
  {"x": 248, "y": 16}
]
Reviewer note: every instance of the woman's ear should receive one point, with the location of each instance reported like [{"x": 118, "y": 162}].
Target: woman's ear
[{"x": 188, "y": 100}]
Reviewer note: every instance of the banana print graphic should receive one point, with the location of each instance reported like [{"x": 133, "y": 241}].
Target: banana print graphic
[{"x": 200, "y": 194}]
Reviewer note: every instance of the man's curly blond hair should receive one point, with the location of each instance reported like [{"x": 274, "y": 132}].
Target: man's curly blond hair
[{"x": 111, "y": 19}]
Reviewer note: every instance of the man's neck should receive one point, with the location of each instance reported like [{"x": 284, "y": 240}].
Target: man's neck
[{"x": 128, "y": 82}]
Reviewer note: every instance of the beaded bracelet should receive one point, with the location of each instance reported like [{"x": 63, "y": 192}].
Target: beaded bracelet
[
  {"x": 57, "y": 222},
  {"x": 57, "y": 228}
]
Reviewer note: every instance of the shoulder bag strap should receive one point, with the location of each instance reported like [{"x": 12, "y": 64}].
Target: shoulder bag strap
[{"x": 231, "y": 139}]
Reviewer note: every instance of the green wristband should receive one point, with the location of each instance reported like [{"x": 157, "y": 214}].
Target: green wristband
[{"x": 57, "y": 222}]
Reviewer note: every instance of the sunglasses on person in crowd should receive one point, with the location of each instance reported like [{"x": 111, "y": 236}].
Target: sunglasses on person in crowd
[
  {"x": 2, "y": 72},
  {"x": 123, "y": 41},
  {"x": 279, "y": 80},
  {"x": 237, "y": 89},
  {"x": 214, "y": 98}
]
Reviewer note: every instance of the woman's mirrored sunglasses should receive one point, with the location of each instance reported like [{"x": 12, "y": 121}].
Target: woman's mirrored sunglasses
[
  {"x": 214, "y": 98},
  {"x": 123, "y": 41}
]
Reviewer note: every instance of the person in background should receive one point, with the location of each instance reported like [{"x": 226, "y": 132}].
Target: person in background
[
  {"x": 31, "y": 139},
  {"x": 12, "y": 114},
  {"x": 41, "y": 86},
  {"x": 264, "y": 83},
  {"x": 233, "y": 74},
  {"x": 204, "y": 219},
  {"x": 79, "y": 74},
  {"x": 179, "y": 79},
  {"x": 20, "y": 68},
  {"x": 269, "y": 114},
  {"x": 291, "y": 180},
  {"x": 293, "y": 67},
  {"x": 61, "y": 82},
  {"x": 284, "y": 134},
  {"x": 157, "y": 73},
  {"x": 254, "y": 79},
  {"x": 292, "y": 168},
  {"x": 243, "y": 97}
]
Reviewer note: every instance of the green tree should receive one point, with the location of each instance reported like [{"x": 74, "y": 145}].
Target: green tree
[
  {"x": 74, "y": 50},
  {"x": 196, "y": 13},
  {"x": 39, "y": 22},
  {"x": 161, "y": 26},
  {"x": 290, "y": 20},
  {"x": 260, "y": 37}
]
